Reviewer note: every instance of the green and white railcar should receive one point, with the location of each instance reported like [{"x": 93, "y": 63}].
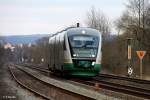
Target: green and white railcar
[{"x": 75, "y": 51}]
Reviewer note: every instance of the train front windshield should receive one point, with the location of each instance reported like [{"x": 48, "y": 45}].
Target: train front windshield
[{"x": 84, "y": 46}]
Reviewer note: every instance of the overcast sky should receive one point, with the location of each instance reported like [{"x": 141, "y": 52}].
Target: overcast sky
[{"x": 47, "y": 16}]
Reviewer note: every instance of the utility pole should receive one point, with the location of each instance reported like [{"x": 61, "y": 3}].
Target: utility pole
[
  {"x": 139, "y": 13},
  {"x": 143, "y": 17}
]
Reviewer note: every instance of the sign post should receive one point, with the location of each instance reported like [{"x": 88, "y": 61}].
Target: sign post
[
  {"x": 129, "y": 51},
  {"x": 141, "y": 54}
]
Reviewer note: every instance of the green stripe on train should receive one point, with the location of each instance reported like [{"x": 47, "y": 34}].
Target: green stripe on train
[
  {"x": 97, "y": 66},
  {"x": 70, "y": 66}
]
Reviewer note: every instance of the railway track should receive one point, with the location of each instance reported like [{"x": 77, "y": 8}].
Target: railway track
[
  {"x": 124, "y": 78},
  {"x": 128, "y": 89},
  {"x": 42, "y": 88},
  {"x": 144, "y": 85},
  {"x": 15, "y": 72},
  {"x": 116, "y": 83}
]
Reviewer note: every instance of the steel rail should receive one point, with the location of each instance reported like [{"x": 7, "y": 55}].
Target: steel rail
[
  {"x": 137, "y": 91},
  {"x": 28, "y": 88},
  {"x": 128, "y": 89},
  {"x": 124, "y": 78},
  {"x": 44, "y": 82}
]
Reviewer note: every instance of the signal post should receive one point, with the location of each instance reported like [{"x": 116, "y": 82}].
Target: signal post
[
  {"x": 129, "y": 51},
  {"x": 141, "y": 54}
]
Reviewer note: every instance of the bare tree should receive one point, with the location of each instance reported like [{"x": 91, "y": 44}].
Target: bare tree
[
  {"x": 39, "y": 51},
  {"x": 97, "y": 20},
  {"x": 1, "y": 50},
  {"x": 134, "y": 20},
  {"x": 135, "y": 23}
]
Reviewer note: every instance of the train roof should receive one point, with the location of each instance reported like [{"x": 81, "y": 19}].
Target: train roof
[
  {"x": 82, "y": 30},
  {"x": 78, "y": 30}
]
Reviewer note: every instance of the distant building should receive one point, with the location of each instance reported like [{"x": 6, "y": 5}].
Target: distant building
[
  {"x": 29, "y": 45},
  {"x": 9, "y": 46},
  {"x": 20, "y": 45}
]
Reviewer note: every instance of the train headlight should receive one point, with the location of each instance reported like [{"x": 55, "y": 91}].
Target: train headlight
[
  {"x": 74, "y": 55},
  {"x": 93, "y": 55},
  {"x": 83, "y": 31},
  {"x": 93, "y": 63}
]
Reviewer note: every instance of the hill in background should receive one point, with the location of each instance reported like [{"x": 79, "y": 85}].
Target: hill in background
[{"x": 24, "y": 39}]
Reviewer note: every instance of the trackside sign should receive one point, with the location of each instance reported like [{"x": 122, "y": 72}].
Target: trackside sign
[{"x": 141, "y": 54}]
